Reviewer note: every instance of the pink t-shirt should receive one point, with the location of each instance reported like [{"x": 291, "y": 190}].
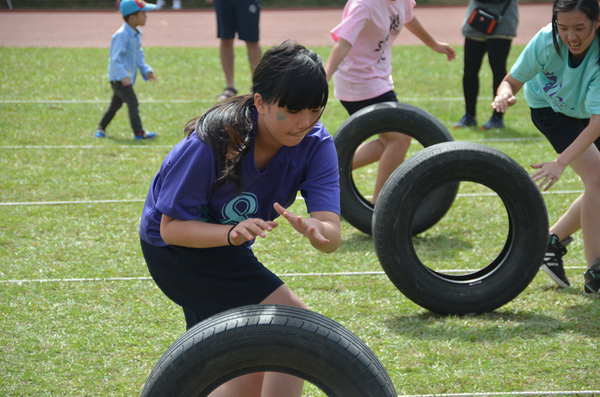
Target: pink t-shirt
[{"x": 371, "y": 26}]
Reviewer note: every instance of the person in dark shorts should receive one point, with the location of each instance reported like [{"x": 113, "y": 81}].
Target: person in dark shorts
[
  {"x": 560, "y": 72},
  {"x": 240, "y": 166},
  {"x": 241, "y": 17}
]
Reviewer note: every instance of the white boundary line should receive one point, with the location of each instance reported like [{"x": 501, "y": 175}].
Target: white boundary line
[
  {"x": 112, "y": 279},
  {"x": 525, "y": 393},
  {"x": 15, "y": 204}
]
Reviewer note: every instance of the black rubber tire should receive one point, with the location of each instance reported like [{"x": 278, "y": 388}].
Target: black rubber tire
[
  {"x": 503, "y": 278},
  {"x": 275, "y": 338},
  {"x": 388, "y": 117}
]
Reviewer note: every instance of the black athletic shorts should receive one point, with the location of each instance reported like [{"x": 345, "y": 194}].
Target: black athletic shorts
[
  {"x": 207, "y": 281},
  {"x": 560, "y": 130},
  {"x": 353, "y": 107},
  {"x": 241, "y": 16}
]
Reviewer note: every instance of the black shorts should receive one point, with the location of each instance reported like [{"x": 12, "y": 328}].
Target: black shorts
[
  {"x": 353, "y": 107},
  {"x": 241, "y": 16},
  {"x": 560, "y": 130},
  {"x": 208, "y": 281}
]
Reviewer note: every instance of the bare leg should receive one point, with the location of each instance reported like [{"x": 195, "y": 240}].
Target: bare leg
[
  {"x": 396, "y": 146},
  {"x": 227, "y": 60},
  {"x": 266, "y": 384},
  {"x": 254, "y": 54},
  {"x": 367, "y": 153},
  {"x": 587, "y": 166},
  {"x": 570, "y": 222}
]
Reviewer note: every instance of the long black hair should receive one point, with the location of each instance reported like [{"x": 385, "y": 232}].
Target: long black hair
[
  {"x": 589, "y": 7},
  {"x": 288, "y": 75}
]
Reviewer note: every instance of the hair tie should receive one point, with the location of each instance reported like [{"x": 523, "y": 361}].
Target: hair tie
[{"x": 229, "y": 236}]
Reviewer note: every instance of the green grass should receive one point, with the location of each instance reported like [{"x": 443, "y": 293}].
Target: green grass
[{"x": 102, "y": 337}]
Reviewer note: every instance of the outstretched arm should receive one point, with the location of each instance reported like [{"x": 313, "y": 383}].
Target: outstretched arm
[
  {"x": 505, "y": 94},
  {"x": 196, "y": 234},
  {"x": 341, "y": 48},
  {"x": 415, "y": 27},
  {"x": 322, "y": 228}
]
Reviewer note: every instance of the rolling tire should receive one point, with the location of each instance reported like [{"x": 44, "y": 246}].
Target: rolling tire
[
  {"x": 503, "y": 278},
  {"x": 275, "y": 338},
  {"x": 388, "y": 117}
]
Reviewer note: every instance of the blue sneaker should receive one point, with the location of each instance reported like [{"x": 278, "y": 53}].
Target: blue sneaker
[
  {"x": 495, "y": 122},
  {"x": 466, "y": 121},
  {"x": 100, "y": 133},
  {"x": 145, "y": 135}
]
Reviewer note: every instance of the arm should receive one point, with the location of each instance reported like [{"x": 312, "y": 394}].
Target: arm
[
  {"x": 341, "y": 48},
  {"x": 549, "y": 173},
  {"x": 505, "y": 95},
  {"x": 196, "y": 234},
  {"x": 322, "y": 228},
  {"x": 415, "y": 27}
]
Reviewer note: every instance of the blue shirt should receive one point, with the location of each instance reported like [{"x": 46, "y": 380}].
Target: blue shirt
[
  {"x": 550, "y": 81},
  {"x": 184, "y": 187},
  {"x": 126, "y": 55}
]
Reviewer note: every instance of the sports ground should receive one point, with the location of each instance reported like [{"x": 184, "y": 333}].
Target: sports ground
[{"x": 79, "y": 314}]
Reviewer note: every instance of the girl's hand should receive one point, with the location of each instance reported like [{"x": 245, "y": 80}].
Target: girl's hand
[
  {"x": 503, "y": 101},
  {"x": 152, "y": 77},
  {"x": 309, "y": 227},
  {"x": 547, "y": 173},
  {"x": 445, "y": 48},
  {"x": 249, "y": 229}
]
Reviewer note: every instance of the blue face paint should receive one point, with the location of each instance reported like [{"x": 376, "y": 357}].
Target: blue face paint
[{"x": 280, "y": 116}]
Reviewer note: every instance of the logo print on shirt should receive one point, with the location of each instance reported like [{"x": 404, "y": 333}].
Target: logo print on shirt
[
  {"x": 239, "y": 209},
  {"x": 552, "y": 87},
  {"x": 383, "y": 44}
]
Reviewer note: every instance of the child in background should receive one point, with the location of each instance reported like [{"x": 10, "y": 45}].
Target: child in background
[
  {"x": 239, "y": 168},
  {"x": 126, "y": 55},
  {"x": 560, "y": 72},
  {"x": 360, "y": 64}
]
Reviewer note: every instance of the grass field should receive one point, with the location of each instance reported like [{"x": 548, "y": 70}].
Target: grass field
[{"x": 79, "y": 316}]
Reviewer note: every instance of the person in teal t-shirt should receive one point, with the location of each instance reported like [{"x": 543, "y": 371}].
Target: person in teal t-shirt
[{"x": 560, "y": 72}]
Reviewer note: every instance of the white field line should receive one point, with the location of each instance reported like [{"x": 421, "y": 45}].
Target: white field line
[
  {"x": 525, "y": 393},
  {"x": 166, "y": 101},
  {"x": 21, "y": 203},
  {"x": 114, "y": 279}
]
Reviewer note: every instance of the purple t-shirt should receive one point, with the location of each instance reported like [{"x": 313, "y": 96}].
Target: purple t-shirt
[{"x": 184, "y": 187}]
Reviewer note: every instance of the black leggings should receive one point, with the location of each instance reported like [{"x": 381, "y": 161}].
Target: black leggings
[{"x": 497, "y": 50}]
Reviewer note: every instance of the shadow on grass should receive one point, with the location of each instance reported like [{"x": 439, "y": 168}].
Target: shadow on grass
[{"x": 499, "y": 325}]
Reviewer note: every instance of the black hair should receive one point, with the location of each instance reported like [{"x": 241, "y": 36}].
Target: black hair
[
  {"x": 589, "y": 7},
  {"x": 126, "y": 17},
  {"x": 288, "y": 75}
]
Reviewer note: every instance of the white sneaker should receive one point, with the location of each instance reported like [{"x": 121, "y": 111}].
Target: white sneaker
[
  {"x": 160, "y": 4},
  {"x": 177, "y": 4}
]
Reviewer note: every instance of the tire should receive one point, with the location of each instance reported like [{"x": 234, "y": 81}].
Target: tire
[
  {"x": 275, "y": 338},
  {"x": 504, "y": 277},
  {"x": 388, "y": 117}
]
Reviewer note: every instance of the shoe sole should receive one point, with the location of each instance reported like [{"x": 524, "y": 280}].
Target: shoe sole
[{"x": 553, "y": 276}]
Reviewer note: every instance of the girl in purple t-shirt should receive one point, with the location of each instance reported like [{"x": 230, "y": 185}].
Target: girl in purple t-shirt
[
  {"x": 241, "y": 164},
  {"x": 360, "y": 64}
]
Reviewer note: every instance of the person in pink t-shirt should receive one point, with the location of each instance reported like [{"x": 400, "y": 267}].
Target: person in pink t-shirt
[{"x": 360, "y": 64}]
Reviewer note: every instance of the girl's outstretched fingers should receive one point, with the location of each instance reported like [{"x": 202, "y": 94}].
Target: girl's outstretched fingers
[{"x": 249, "y": 229}]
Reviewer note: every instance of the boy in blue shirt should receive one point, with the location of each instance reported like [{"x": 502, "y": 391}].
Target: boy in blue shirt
[{"x": 126, "y": 55}]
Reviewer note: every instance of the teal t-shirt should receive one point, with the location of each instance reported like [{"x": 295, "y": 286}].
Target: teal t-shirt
[{"x": 550, "y": 81}]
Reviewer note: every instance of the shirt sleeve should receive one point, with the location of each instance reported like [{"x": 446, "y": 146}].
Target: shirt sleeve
[
  {"x": 187, "y": 177},
  {"x": 353, "y": 22},
  {"x": 321, "y": 186},
  {"x": 533, "y": 59},
  {"x": 144, "y": 69},
  {"x": 118, "y": 52}
]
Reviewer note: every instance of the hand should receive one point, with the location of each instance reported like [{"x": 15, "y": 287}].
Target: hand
[
  {"x": 309, "y": 227},
  {"x": 152, "y": 77},
  {"x": 248, "y": 229},
  {"x": 503, "y": 101},
  {"x": 445, "y": 48},
  {"x": 547, "y": 173},
  {"x": 126, "y": 81}
]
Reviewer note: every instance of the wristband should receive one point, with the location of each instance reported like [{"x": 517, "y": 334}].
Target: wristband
[{"x": 229, "y": 235}]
